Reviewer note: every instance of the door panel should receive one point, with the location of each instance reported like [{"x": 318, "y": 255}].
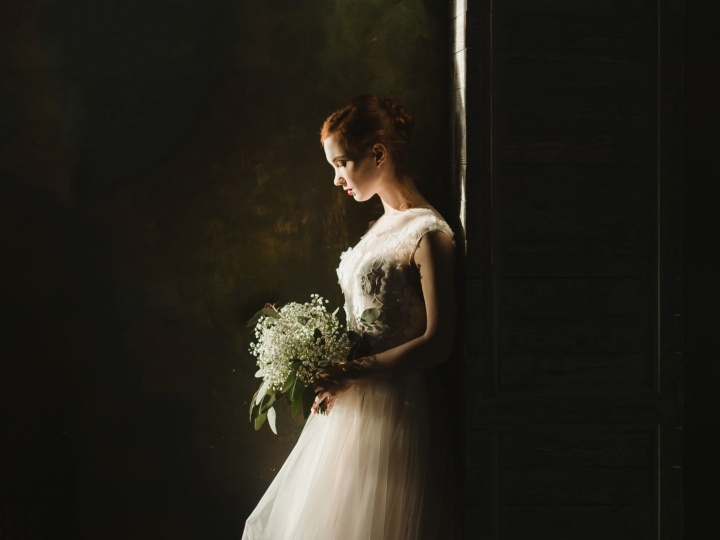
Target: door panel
[{"x": 573, "y": 352}]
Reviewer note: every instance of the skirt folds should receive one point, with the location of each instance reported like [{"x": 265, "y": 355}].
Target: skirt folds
[{"x": 375, "y": 468}]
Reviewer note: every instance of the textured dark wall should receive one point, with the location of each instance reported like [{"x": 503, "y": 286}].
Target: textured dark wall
[
  {"x": 701, "y": 266},
  {"x": 161, "y": 179}
]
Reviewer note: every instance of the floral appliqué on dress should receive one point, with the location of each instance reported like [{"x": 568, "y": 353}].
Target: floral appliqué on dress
[{"x": 379, "y": 273}]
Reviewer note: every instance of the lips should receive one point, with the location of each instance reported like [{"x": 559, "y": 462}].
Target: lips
[{"x": 349, "y": 192}]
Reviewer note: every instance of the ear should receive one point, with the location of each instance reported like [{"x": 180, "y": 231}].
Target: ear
[{"x": 379, "y": 153}]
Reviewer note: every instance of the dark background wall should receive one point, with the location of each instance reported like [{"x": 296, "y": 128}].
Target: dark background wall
[
  {"x": 162, "y": 180},
  {"x": 701, "y": 243}
]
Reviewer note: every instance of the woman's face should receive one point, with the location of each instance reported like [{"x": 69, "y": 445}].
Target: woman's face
[{"x": 357, "y": 175}]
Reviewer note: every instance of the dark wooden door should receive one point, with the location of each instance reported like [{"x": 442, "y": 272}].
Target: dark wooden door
[{"x": 573, "y": 351}]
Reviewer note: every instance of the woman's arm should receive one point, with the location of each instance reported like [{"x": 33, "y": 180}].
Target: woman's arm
[{"x": 435, "y": 260}]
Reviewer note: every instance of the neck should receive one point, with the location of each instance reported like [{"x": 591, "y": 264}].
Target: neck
[{"x": 401, "y": 194}]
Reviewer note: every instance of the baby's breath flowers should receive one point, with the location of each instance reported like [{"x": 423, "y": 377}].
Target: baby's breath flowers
[{"x": 292, "y": 345}]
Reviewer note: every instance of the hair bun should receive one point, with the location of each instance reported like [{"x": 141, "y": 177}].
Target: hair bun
[
  {"x": 401, "y": 119},
  {"x": 367, "y": 120}
]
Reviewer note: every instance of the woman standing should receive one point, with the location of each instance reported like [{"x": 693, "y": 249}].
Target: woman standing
[{"x": 375, "y": 467}]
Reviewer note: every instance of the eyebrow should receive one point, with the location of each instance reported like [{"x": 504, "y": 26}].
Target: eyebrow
[{"x": 340, "y": 157}]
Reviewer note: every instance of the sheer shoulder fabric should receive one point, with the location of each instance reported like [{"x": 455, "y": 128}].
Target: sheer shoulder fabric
[{"x": 378, "y": 274}]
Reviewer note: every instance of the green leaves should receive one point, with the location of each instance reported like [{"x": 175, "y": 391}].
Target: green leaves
[
  {"x": 298, "y": 398},
  {"x": 268, "y": 402},
  {"x": 262, "y": 391},
  {"x": 267, "y": 311},
  {"x": 296, "y": 406},
  {"x": 297, "y": 390},
  {"x": 253, "y": 406},
  {"x": 260, "y": 420},
  {"x": 308, "y": 397},
  {"x": 271, "y": 420},
  {"x": 262, "y": 408},
  {"x": 370, "y": 315},
  {"x": 289, "y": 383}
]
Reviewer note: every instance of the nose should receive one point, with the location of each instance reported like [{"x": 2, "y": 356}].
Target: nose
[{"x": 339, "y": 180}]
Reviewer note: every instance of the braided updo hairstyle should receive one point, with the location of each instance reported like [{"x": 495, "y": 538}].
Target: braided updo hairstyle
[{"x": 368, "y": 120}]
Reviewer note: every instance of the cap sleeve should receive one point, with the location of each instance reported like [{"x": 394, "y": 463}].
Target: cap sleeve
[{"x": 424, "y": 224}]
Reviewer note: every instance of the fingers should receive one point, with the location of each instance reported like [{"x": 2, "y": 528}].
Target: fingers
[
  {"x": 328, "y": 393},
  {"x": 323, "y": 403},
  {"x": 322, "y": 396}
]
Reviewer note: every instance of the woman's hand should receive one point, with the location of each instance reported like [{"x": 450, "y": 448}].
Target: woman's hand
[
  {"x": 333, "y": 381},
  {"x": 326, "y": 396}
]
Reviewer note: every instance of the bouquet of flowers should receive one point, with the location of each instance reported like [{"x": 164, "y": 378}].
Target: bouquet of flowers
[{"x": 293, "y": 344}]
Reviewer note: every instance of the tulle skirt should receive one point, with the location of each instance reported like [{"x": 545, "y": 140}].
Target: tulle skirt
[{"x": 375, "y": 468}]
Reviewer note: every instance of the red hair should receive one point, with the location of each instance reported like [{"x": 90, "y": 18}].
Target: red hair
[{"x": 368, "y": 120}]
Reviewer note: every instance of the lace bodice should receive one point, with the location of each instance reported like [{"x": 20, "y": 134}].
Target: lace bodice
[{"x": 381, "y": 284}]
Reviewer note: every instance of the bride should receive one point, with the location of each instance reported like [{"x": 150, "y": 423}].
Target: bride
[{"x": 375, "y": 467}]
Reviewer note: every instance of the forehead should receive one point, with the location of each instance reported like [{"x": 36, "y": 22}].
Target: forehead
[{"x": 333, "y": 150}]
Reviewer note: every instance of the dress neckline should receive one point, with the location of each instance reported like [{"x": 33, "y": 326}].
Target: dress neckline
[
  {"x": 393, "y": 216},
  {"x": 373, "y": 231},
  {"x": 402, "y": 212}
]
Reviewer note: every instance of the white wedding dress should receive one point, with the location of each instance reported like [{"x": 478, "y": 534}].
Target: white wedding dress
[{"x": 375, "y": 468}]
